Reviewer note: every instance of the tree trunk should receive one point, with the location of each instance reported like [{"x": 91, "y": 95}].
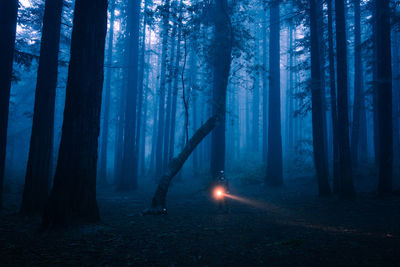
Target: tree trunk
[
  {"x": 317, "y": 109},
  {"x": 8, "y": 21},
  {"x": 73, "y": 197},
  {"x": 37, "y": 179},
  {"x": 290, "y": 91},
  {"x": 384, "y": 86},
  {"x": 218, "y": 145},
  {"x": 161, "y": 107},
  {"x": 167, "y": 131},
  {"x": 119, "y": 135},
  {"x": 332, "y": 85},
  {"x": 358, "y": 81},
  {"x": 396, "y": 94},
  {"x": 265, "y": 92},
  {"x": 175, "y": 97},
  {"x": 195, "y": 93},
  {"x": 375, "y": 94},
  {"x": 106, "y": 110},
  {"x": 141, "y": 90},
  {"x": 256, "y": 93},
  {"x": 346, "y": 180},
  {"x": 128, "y": 179},
  {"x": 274, "y": 174},
  {"x": 222, "y": 63}
]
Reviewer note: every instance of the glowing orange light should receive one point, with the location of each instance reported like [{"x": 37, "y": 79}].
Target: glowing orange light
[{"x": 219, "y": 192}]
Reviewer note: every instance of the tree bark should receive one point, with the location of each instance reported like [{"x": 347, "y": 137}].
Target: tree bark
[
  {"x": 163, "y": 74},
  {"x": 332, "y": 85},
  {"x": 384, "y": 86},
  {"x": 358, "y": 107},
  {"x": 317, "y": 109},
  {"x": 73, "y": 197},
  {"x": 128, "y": 179},
  {"x": 142, "y": 107},
  {"x": 265, "y": 92},
  {"x": 274, "y": 175},
  {"x": 37, "y": 179},
  {"x": 346, "y": 180},
  {"x": 8, "y": 22},
  {"x": 106, "y": 110},
  {"x": 175, "y": 97},
  {"x": 169, "y": 101},
  {"x": 219, "y": 105},
  {"x": 256, "y": 93}
]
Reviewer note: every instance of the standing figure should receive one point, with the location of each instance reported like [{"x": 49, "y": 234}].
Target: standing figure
[{"x": 221, "y": 189}]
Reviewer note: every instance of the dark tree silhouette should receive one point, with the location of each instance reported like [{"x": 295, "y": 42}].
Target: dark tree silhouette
[
  {"x": 128, "y": 179},
  {"x": 332, "y": 85},
  {"x": 384, "y": 93},
  {"x": 358, "y": 107},
  {"x": 8, "y": 21},
  {"x": 37, "y": 179},
  {"x": 102, "y": 177},
  {"x": 274, "y": 174},
  {"x": 317, "y": 110},
  {"x": 73, "y": 197},
  {"x": 346, "y": 180}
]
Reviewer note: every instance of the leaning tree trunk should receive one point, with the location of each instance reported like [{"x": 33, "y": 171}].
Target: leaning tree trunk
[
  {"x": 384, "y": 86},
  {"x": 73, "y": 197},
  {"x": 317, "y": 109},
  {"x": 37, "y": 179},
  {"x": 274, "y": 175},
  {"x": 346, "y": 180},
  {"x": 8, "y": 22},
  {"x": 222, "y": 63}
]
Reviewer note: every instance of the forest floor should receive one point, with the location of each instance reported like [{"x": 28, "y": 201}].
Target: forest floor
[{"x": 289, "y": 226}]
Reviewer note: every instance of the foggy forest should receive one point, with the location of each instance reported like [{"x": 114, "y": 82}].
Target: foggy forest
[{"x": 200, "y": 132}]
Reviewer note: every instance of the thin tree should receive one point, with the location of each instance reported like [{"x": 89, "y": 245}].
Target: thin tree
[
  {"x": 256, "y": 91},
  {"x": 175, "y": 96},
  {"x": 37, "y": 179},
  {"x": 163, "y": 79},
  {"x": 141, "y": 90},
  {"x": 8, "y": 22},
  {"x": 73, "y": 197},
  {"x": 264, "y": 88},
  {"x": 169, "y": 101}
]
